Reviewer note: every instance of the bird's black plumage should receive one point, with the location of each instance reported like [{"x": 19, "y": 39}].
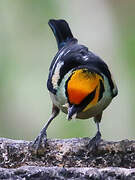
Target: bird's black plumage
[{"x": 74, "y": 55}]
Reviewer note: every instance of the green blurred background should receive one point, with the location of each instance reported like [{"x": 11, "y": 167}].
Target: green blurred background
[{"x": 27, "y": 47}]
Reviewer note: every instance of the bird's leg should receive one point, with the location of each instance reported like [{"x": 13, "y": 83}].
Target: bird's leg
[
  {"x": 42, "y": 137},
  {"x": 97, "y": 138}
]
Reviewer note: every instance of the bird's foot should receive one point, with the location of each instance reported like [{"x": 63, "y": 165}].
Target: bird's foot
[
  {"x": 94, "y": 142},
  {"x": 40, "y": 141}
]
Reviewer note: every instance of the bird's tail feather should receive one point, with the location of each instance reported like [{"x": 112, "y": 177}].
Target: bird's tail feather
[{"x": 61, "y": 31}]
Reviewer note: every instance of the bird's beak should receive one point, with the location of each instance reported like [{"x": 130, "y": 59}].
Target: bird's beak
[{"x": 72, "y": 112}]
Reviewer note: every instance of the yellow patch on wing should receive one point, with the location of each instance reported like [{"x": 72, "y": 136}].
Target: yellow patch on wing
[{"x": 81, "y": 84}]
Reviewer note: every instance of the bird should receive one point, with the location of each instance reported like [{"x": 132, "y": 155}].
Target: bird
[{"x": 79, "y": 82}]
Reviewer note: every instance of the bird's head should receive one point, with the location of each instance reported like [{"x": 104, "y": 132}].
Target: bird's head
[{"x": 84, "y": 89}]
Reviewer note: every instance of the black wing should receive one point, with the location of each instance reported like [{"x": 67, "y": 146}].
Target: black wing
[{"x": 75, "y": 56}]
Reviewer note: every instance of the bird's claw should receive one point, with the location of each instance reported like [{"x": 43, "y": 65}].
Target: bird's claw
[
  {"x": 40, "y": 141},
  {"x": 94, "y": 142}
]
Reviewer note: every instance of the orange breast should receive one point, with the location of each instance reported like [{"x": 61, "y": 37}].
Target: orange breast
[{"x": 81, "y": 83}]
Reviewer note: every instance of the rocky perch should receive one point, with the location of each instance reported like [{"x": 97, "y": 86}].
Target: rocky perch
[{"x": 67, "y": 159}]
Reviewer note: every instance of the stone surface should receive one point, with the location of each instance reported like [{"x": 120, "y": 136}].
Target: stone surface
[
  {"x": 49, "y": 173},
  {"x": 67, "y": 158}
]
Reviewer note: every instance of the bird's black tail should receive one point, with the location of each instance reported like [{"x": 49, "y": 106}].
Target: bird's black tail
[{"x": 61, "y": 31}]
